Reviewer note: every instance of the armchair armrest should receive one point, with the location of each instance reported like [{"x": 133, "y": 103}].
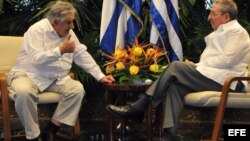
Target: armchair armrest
[
  {"x": 71, "y": 74},
  {"x": 5, "y": 104},
  {"x": 3, "y": 81},
  {"x": 222, "y": 104},
  {"x": 3, "y": 89}
]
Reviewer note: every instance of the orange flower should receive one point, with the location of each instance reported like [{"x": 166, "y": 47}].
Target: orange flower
[
  {"x": 150, "y": 52},
  {"x": 119, "y": 53},
  {"x": 110, "y": 69}
]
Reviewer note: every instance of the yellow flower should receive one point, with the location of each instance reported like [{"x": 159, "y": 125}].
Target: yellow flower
[
  {"x": 154, "y": 68},
  {"x": 137, "y": 51},
  {"x": 120, "y": 66},
  {"x": 110, "y": 69},
  {"x": 133, "y": 70},
  {"x": 119, "y": 53}
]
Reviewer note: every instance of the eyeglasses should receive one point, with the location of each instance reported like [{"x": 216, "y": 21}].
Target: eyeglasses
[{"x": 212, "y": 14}]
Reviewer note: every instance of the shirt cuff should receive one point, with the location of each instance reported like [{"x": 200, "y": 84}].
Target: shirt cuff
[
  {"x": 99, "y": 77},
  {"x": 57, "y": 51}
]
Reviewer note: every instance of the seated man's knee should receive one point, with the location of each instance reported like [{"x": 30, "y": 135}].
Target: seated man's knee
[
  {"x": 175, "y": 65},
  {"x": 24, "y": 92},
  {"x": 79, "y": 90}
]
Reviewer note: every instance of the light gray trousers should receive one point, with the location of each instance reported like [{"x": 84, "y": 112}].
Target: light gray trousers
[
  {"x": 174, "y": 83},
  {"x": 25, "y": 96}
]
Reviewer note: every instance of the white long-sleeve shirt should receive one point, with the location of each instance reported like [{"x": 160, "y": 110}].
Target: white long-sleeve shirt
[
  {"x": 42, "y": 61},
  {"x": 227, "y": 53}
]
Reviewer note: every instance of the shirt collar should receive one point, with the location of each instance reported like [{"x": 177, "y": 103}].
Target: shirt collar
[
  {"x": 51, "y": 29},
  {"x": 224, "y": 26}
]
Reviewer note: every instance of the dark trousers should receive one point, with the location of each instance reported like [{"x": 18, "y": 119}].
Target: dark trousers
[{"x": 174, "y": 83}]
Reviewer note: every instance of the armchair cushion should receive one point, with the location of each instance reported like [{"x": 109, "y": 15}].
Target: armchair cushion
[
  {"x": 45, "y": 97},
  {"x": 212, "y": 98}
]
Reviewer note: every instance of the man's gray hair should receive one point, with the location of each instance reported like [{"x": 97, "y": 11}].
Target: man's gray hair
[
  {"x": 59, "y": 10},
  {"x": 228, "y": 6}
]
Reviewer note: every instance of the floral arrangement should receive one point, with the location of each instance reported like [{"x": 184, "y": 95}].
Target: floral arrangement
[{"x": 137, "y": 64}]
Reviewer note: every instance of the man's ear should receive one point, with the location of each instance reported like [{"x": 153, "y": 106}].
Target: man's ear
[
  {"x": 56, "y": 22},
  {"x": 227, "y": 17}
]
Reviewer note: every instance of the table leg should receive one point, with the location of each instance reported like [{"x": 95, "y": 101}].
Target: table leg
[
  {"x": 123, "y": 97},
  {"x": 123, "y": 130},
  {"x": 110, "y": 118},
  {"x": 149, "y": 122},
  {"x": 110, "y": 121}
]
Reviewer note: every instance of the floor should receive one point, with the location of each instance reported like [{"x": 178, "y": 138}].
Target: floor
[
  {"x": 98, "y": 131},
  {"x": 195, "y": 125}
]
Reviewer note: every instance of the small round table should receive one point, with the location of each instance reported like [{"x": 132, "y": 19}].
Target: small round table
[{"x": 121, "y": 90}]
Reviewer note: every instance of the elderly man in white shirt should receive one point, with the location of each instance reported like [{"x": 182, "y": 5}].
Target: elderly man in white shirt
[
  {"x": 50, "y": 46},
  {"x": 227, "y": 53}
]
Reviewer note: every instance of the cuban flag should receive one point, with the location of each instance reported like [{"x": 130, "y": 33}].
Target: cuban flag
[
  {"x": 120, "y": 23},
  {"x": 165, "y": 31}
]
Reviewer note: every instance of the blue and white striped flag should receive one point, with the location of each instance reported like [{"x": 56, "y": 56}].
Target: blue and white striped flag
[
  {"x": 120, "y": 23},
  {"x": 165, "y": 27}
]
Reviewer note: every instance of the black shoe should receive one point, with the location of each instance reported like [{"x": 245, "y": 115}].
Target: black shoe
[
  {"x": 36, "y": 139},
  {"x": 168, "y": 136},
  {"x": 49, "y": 132},
  {"x": 127, "y": 112},
  {"x": 48, "y": 136}
]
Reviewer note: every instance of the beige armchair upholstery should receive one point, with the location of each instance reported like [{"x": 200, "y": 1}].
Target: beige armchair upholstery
[
  {"x": 212, "y": 98},
  {"x": 9, "y": 48}
]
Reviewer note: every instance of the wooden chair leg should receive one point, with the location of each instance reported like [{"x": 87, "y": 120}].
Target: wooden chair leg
[
  {"x": 219, "y": 119},
  {"x": 221, "y": 109},
  {"x": 6, "y": 122},
  {"x": 77, "y": 130}
]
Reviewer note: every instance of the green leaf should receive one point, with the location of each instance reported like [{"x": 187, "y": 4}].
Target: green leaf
[{"x": 123, "y": 78}]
